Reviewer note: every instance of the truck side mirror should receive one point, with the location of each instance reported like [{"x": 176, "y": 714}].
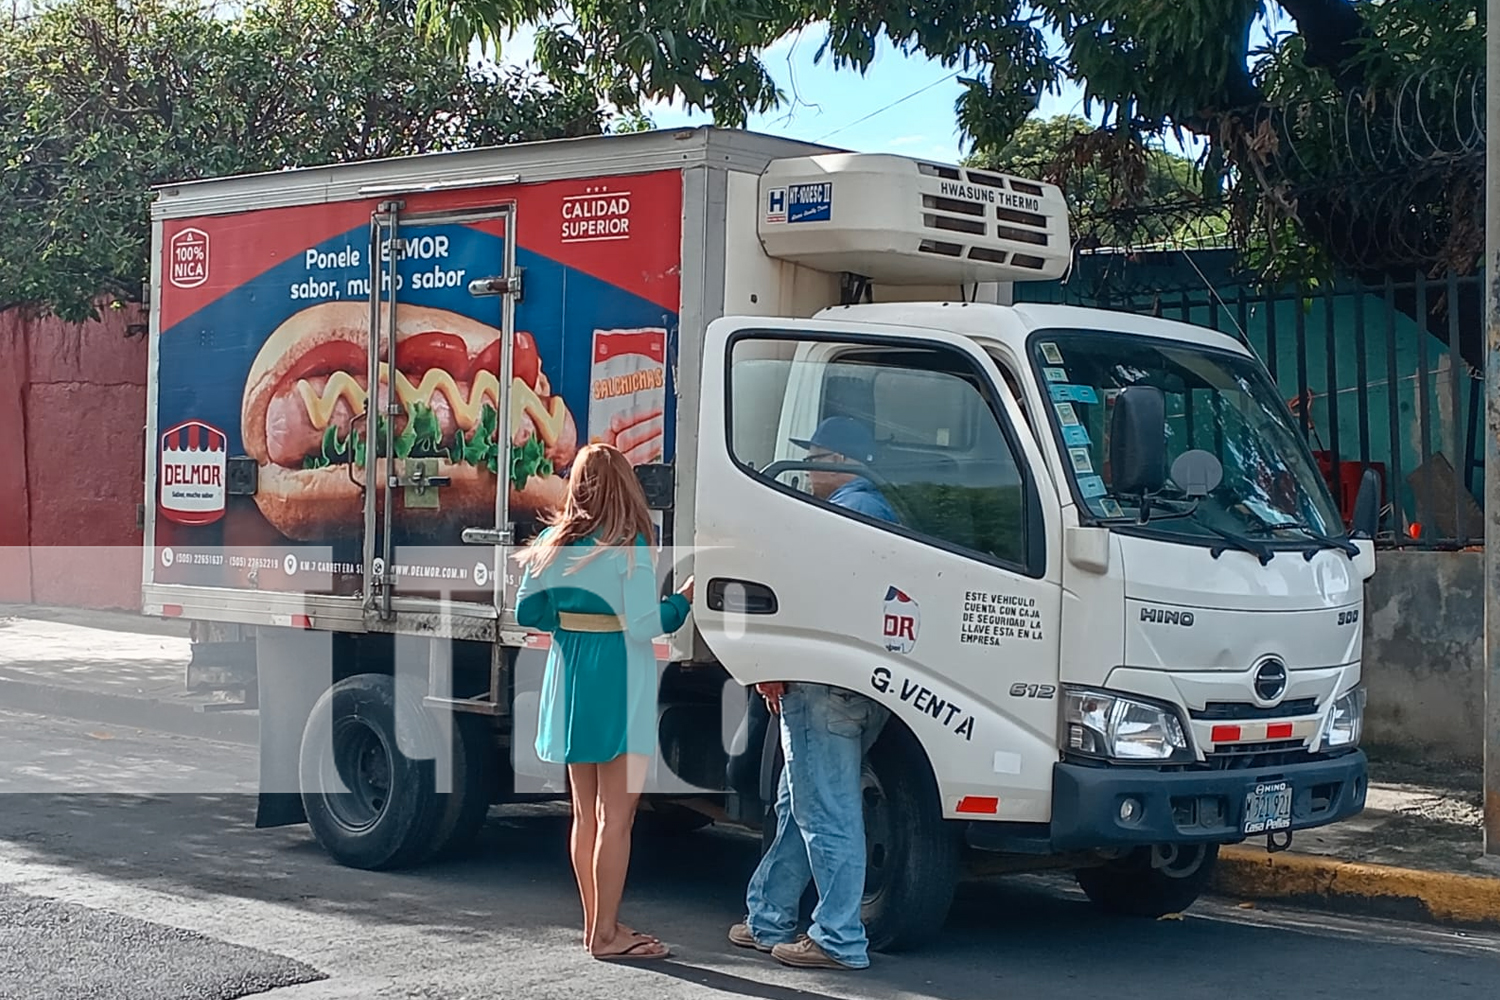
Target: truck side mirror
[
  {"x": 1367, "y": 506},
  {"x": 1138, "y": 441}
]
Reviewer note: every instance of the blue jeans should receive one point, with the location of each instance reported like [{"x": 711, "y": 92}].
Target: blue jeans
[{"x": 820, "y": 823}]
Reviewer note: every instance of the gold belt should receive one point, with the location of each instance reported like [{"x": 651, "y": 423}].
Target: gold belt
[{"x": 574, "y": 622}]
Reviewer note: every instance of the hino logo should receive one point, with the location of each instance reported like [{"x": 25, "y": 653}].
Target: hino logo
[
  {"x": 1162, "y": 616},
  {"x": 1270, "y": 680}
]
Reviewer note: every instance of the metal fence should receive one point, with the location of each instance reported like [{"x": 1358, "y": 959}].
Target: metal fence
[{"x": 1380, "y": 374}]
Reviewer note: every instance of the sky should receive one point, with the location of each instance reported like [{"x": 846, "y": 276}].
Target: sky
[{"x": 902, "y": 104}]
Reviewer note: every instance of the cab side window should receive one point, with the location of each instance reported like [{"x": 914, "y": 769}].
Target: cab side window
[{"x": 908, "y": 436}]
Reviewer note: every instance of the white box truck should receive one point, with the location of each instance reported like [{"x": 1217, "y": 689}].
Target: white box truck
[{"x": 1116, "y": 621}]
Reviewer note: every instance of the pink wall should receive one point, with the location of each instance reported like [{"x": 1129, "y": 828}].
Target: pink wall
[{"x": 72, "y": 441}]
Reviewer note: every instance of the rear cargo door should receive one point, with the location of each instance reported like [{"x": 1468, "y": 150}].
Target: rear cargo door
[
  {"x": 871, "y": 514},
  {"x": 442, "y": 320}
]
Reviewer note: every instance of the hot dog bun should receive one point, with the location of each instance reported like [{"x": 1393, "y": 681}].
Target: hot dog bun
[{"x": 328, "y": 502}]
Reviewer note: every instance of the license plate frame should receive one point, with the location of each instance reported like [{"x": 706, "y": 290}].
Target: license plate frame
[{"x": 1268, "y": 808}]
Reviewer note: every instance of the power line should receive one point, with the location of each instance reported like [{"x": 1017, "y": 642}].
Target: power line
[{"x": 881, "y": 111}]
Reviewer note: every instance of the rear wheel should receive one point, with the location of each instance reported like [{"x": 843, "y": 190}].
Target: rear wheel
[
  {"x": 1153, "y": 881},
  {"x": 370, "y": 805},
  {"x": 671, "y": 820}
]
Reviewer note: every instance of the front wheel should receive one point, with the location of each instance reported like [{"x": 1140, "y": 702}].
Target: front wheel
[
  {"x": 912, "y": 855},
  {"x": 1152, "y": 881}
]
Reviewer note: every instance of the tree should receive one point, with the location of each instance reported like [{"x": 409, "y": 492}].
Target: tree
[
  {"x": 101, "y": 99},
  {"x": 1118, "y": 192},
  {"x": 1353, "y": 142},
  {"x": 1154, "y": 66}
]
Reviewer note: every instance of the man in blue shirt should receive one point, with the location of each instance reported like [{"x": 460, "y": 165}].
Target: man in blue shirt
[
  {"x": 844, "y": 441},
  {"x": 825, "y": 732}
]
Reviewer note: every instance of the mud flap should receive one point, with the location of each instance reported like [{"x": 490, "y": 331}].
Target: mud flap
[{"x": 293, "y": 669}]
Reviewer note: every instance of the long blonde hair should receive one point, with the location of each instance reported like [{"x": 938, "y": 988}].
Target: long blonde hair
[{"x": 605, "y": 501}]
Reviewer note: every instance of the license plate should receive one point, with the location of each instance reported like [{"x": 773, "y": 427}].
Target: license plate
[{"x": 1269, "y": 808}]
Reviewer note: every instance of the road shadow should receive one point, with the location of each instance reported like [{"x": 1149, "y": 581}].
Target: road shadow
[{"x": 1001, "y": 937}]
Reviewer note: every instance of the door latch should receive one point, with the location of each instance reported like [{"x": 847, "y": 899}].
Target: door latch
[
  {"x": 420, "y": 488},
  {"x": 488, "y": 536},
  {"x": 499, "y": 285}
]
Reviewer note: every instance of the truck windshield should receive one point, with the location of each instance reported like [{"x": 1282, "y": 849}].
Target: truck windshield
[{"x": 1216, "y": 401}]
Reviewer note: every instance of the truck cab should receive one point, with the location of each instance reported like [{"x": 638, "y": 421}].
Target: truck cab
[{"x": 1118, "y": 611}]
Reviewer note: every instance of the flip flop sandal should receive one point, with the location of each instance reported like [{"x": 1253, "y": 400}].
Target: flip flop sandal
[
  {"x": 629, "y": 933},
  {"x": 631, "y": 954}
]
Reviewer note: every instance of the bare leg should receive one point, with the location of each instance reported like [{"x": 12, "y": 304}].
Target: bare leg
[
  {"x": 583, "y": 780},
  {"x": 620, "y": 783}
]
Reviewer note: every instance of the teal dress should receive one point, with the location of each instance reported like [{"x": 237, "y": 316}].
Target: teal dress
[{"x": 599, "y": 691}]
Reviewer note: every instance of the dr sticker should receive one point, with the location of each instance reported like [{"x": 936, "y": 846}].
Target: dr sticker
[{"x": 1052, "y": 354}]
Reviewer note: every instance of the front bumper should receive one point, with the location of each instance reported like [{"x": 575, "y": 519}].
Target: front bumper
[{"x": 1193, "y": 806}]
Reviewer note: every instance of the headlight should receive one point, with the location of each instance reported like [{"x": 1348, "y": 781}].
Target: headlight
[
  {"x": 1114, "y": 727},
  {"x": 1347, "y": 721}
]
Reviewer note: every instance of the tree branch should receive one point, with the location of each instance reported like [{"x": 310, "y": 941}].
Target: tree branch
[{"x": 1330, "y": 30}]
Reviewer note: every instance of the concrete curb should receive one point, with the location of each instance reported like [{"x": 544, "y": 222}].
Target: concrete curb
[
  {"x": 1349, "y": 887},
  {"x": 123, "y": 710}
]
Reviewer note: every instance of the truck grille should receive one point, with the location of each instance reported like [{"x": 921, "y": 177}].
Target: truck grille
[
  {"x": 1245, "y": 756},
  {"x": 1236, "y": 711},
  {"x": 965, "y": 223}
]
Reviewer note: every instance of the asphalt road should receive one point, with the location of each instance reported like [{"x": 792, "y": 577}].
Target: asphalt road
[{"x": 151, "y": 896}]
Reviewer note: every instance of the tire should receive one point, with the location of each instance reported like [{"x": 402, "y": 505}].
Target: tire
[
  {"x": 369, "y": 805},
  {"x": 667, "y": 819},
  {"x": 468, "y": 806},
  {"x": 913, "y": 855},
  {"x": 1131, "y": 887}
]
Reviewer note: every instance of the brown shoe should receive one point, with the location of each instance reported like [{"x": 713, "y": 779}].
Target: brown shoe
[
  {"x": 806, "y": 954},
  {"x": 740, "y": 935}
]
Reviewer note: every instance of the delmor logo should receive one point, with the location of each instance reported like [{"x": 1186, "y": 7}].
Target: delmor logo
[
  {"x": 193, "y": 460},
  {"x": 903, "y": 619}
]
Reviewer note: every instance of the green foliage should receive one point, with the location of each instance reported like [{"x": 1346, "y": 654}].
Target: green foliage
[
  {"x": 1101, "y": 173},
  {"x": 101, "y": 99},
  {"x": 989, "y": 519},
  {"x": 1157, "y": 67}
]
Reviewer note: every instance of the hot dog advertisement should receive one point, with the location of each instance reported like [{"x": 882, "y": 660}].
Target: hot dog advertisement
[{"x": 270, "y": 421}]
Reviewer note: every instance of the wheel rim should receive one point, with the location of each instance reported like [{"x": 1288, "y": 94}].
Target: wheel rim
[
  {"x": 879, "y": 836},
  {"x": 1179, "y": 860},
  {"x": 355, "y": 775}
]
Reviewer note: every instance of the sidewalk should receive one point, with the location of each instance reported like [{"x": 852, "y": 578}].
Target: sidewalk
[
  {"x": 117, "y": 668},
  {"x": 1416, "y": 852}
]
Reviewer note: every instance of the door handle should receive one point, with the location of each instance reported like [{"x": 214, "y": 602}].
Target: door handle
[
  {"x": 741, "y": 597},
  {"x": 487, "y": 536}
]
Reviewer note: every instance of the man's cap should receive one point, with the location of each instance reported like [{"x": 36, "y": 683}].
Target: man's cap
[{"x": 842, "y": 436}]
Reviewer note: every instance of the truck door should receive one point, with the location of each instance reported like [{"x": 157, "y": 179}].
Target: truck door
[
  {"x": 442, "y": 319},
  {"x": 923, "y": 574}
]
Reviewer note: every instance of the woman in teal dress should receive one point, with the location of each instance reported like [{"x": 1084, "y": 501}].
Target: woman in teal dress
[{"x": 590, "y": 581}]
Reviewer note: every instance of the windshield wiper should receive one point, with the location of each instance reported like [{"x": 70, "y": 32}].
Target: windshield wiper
[
  {"x": 1348, "y": 548},
  {"x": 1259, "y": 551}
]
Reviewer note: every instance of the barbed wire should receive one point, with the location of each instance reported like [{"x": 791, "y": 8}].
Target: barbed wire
[{"x": 1376, "y": 182}]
